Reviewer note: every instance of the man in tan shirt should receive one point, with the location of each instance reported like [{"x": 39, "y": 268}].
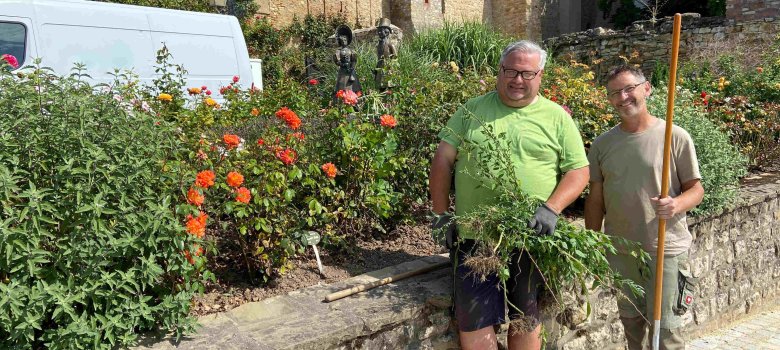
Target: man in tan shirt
[{"x": 625, "y": 182}]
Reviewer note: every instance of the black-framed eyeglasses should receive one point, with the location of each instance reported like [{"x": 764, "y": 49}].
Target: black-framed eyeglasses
[
  {"x": 513, "y": 73},
  {"x": 626, "y": 90}
]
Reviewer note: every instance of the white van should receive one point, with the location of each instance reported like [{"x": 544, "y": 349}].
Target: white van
[{"x": 106, "y": 36}]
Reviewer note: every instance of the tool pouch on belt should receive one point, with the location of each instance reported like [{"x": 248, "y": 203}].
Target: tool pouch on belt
[{"x": 686, "y": 285}]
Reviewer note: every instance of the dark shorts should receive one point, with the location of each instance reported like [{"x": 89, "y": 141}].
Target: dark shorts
[{"x": 480, "y": 304}]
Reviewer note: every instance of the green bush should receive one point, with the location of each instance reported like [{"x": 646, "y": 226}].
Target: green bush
[
  {"x": 470, "y": 45},
  {"x": 740, "y": 93},
  {"x": 720, "y": 162},
  {"x": 93, "y": 250}
]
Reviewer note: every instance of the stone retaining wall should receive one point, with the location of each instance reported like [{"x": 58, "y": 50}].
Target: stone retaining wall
[
  {"x": 650, "y": 43},
  {"x": 735, "y": 255}
]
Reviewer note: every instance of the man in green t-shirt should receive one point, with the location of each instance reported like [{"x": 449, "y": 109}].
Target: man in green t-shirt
[
  {"x": 549, "y": 158},
  {"x": 625, "y": 182}
]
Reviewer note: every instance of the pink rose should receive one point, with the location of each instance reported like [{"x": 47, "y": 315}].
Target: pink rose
[{"x": 11, "y": 60}]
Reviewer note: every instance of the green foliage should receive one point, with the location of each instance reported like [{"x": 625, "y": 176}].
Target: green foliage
[
  {"x": 366, "y": 153},
  {"x": 262, "y": 39},
  {"x": 573, "y": 86},
  {"x": 720, "y": 162},
  {"x": 716, "y": 7},
  {"x": 93, "y": 244},
  {"x": 470, "y": 45},
  {"x": 740, "y": 91}
]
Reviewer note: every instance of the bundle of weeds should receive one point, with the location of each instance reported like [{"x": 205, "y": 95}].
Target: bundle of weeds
[{"x": 571, "y": 258}]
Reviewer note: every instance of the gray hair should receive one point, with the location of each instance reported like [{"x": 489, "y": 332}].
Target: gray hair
[{"x": 525, "y": 46}]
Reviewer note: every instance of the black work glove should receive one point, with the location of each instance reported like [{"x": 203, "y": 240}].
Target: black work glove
[
  {"x": 443, "y": 229},
  {"x": 544, "y": 221}
]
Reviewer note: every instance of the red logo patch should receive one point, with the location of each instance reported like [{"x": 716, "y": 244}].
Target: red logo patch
[{"x": 688, "y": 299}]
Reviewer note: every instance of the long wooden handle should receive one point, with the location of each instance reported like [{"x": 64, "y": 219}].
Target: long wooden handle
[
  {"x": 659, "y": 265},
  {"x": 366, "y": 286}
]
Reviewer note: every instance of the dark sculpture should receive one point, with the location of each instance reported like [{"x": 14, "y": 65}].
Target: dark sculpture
[
  {"x": 346, "y": 59},
  {"x": 385, "y": 50}
]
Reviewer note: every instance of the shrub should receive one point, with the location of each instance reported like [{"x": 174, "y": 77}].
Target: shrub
[
  {"x": 472, "y": 45},
  {"x": 573, "y": 86},
  {"x": 268, "y": 190},
  {"x": 740, "y": 93},
  {"x": 94, "y": 249},
  {"x": 720, "y": 162}
]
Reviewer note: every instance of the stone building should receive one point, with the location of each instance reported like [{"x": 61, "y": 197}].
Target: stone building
[
  {"x": 535, "y": 19},
  {"x": 532, "y": 19}
]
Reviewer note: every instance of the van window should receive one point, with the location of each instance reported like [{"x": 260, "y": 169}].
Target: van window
[{"x": 12, "y": 40}]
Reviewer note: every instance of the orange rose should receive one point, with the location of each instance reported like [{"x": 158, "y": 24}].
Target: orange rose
[
  {"x": 194, "y": 197},
  {"x": 205, "y": 179},
  {"x": 329, "y": 169},
  {"x": 197, "y": 225},
  {"x": 232, "y": 141},
  {"x": 255, "y": 112},
  {"x": 194, "y": 91},
  {"x": 289, "y": 117},
  {"x": 388, "y": 121},
  {"x": 243, "y": 195},
  {"x": 234, "y": 179},
  {"x": 286, "y": 156}
]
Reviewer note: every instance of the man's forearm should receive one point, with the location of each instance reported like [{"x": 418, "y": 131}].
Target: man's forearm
[
  {"x": 691, "y": 196},
  {"x": 570, "y": 187},
  {"x": 594, "y": 215}
]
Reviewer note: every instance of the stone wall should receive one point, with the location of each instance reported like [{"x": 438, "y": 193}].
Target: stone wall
[
  {"x": 748, "y": 10},
  {"x": 735, "y": 255},
  {"x": 359, "y": 13},
  {"x": 651, "y": 44}
]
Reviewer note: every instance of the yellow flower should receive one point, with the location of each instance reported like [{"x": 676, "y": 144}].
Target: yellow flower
[
  {"x": 454, "y": 67},
  {"x": 435, "y": 64},
  {"x": 210, "y": 102},
  {"x": 165, "y": 97}
]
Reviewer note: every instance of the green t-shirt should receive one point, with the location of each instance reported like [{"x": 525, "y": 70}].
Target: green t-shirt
[{"x": 543, "y": 141}]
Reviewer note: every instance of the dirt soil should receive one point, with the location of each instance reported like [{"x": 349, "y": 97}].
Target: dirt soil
[{"x": 405, "y": 243}]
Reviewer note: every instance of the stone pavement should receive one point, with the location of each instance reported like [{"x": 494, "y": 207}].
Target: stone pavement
[
  {"x": 760, "y": 331},
  {"x": 413, "y": 311}
]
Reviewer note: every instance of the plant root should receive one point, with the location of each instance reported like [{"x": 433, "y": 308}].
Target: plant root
[
  {"x": 483, "y": 266},
  {"x": 523, "y": 325}
]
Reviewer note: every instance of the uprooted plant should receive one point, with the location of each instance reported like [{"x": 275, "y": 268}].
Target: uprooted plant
[{"x": 572, "y": 259}]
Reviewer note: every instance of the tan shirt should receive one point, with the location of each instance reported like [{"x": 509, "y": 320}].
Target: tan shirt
[{"x": 630, "y": 167}]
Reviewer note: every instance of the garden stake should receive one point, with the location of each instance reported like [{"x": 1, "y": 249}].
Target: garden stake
[
  {"x": 366, "y": 286},
  {"x": 319, "y": 263},
  {"x": 659, "y": 265}
]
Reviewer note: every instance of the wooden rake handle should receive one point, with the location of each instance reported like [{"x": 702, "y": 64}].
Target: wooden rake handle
[{"x": 366, "y": 286}]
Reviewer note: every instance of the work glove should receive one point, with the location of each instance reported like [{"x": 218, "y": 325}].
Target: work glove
[
  {"x": 544, "y": 221},
  {"x": 443, "y": 229}
]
